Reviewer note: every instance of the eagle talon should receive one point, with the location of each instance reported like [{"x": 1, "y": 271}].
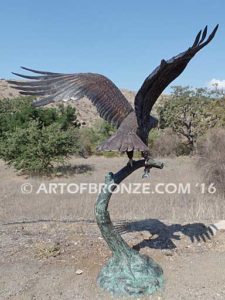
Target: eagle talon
[
  {"x": 146, "y": 173},
  {"x": 130, "y": 162}
]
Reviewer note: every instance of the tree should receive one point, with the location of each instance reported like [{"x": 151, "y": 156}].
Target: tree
[{"x": 191, "y": 112}]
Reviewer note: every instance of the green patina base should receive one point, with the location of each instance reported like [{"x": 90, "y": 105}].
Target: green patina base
[
  {"x": 127, "y": 272},
  {"x": 135, "y": 275}
]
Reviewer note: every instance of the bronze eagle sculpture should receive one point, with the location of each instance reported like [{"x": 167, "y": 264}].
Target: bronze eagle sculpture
[{"x": 133, "y": 124}]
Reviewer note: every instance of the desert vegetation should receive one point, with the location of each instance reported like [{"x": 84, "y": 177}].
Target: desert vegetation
[
  {"x": 190, "y": 113},
  {"x": 32, "y": 140},
  {"x": 37, "y": 140},
  {"x": 212, "y": 158},
  {"x": 42, "y": 140}
]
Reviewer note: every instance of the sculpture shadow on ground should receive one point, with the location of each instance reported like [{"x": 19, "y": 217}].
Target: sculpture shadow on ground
[{"x": 163, "y": 235}]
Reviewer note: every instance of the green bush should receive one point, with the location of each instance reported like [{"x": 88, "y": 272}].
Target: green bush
[
  {"x": 33, "y": 139},
  {"x": 90, "y": 138},
  {"x": 19, "y": 112},
  {"x": 154, "y": 135},
  {"x": 35, "y": 149}
]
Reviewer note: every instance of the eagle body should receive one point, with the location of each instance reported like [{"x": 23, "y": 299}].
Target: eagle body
[{"x": 129, "y": 137}]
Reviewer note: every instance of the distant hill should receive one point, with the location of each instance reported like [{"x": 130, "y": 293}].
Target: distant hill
[
  {"x": 87, "y": 112},
  {"x": 6, "y": 91}
]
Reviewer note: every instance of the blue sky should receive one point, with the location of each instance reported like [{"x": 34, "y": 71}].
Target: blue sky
[{"x": 124, "y": 40}]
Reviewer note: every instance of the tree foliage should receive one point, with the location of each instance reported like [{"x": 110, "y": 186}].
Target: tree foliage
[
  {"x": 33, "y": 139},
  {"x": 191, "y": 112}
]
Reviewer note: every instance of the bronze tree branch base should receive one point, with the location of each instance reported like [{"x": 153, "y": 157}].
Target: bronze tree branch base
[{"x": 127, "y": 272}]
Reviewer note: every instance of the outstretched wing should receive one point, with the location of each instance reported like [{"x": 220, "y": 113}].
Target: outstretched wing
[
  {"x": 53, "y": 87},
  {"x": 163, "y": 75}
]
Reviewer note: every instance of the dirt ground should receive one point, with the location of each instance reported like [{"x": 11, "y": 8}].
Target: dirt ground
[{"x": 51, "y": 248}]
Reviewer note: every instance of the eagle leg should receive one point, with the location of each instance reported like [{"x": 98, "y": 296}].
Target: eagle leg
[
  {"x": 146, "y": 156},
  {"x": 130, "y": 156}
]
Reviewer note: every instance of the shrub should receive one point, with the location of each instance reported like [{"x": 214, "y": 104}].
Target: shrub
[
  {"x": 90, "y": 138},
  {"x": 88, "y": 141},
  {"x": 166, "y": 142},
  {"x": 35, "y": 149},
  {"x": 33, "y": 139},
  {"x": 212, "y": 158}
]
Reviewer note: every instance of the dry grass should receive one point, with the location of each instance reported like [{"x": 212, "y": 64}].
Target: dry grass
[
  {"x": 16, "y": 206},
  {"x": 47, "y": 250},
  {"x": 212, "y": 158}
]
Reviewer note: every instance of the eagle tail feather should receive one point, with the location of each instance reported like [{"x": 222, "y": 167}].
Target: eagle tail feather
[{"x": 123, "y": 142}]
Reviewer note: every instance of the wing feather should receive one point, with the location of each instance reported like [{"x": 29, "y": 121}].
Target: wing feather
[
  {"x": 163, "y": 75},
  {"x": 52, "y": 87}
]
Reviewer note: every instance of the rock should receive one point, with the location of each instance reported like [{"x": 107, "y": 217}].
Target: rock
[{"x": 79, "y": 272}]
